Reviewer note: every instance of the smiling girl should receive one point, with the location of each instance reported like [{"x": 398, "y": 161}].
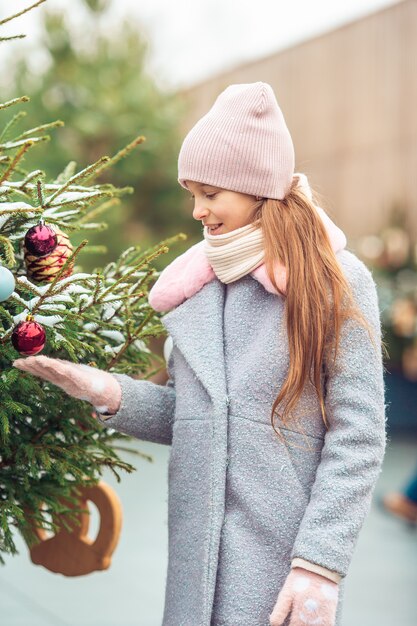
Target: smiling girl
[
  {"x": 274, "y": 406},
  {"x": 220, "y": 210}
]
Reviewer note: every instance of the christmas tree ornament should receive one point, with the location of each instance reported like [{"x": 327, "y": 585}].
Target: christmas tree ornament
[
  {"x": 70, "y": 551},
  {"x": 44, "y": 269},
  {"x": 29, "y": 337},
  {"x": 40, "y": 240},
  {"x": 7, "y": 283}
]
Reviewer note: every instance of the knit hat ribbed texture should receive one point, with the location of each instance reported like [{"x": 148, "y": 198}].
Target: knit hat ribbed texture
[{"x": 242, "y": 144}]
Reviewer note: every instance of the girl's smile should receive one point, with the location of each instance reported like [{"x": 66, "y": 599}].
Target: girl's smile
[
  {"x": 213, "y": 228},
  {"x": 221, "y": 210}
]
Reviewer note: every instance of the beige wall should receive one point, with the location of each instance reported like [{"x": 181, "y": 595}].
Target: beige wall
[{"x": 350, "y": 100}]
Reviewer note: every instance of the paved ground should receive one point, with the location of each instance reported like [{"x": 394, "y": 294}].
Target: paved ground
[{"x": 380, "y": 589}]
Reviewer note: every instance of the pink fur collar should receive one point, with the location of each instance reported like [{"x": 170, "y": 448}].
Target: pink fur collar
[{"x": 189, "y": 272}]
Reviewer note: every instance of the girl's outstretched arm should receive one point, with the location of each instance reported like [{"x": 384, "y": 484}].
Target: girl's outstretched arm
[
  {"x": 136, "y": 407},
  {"x": 146, "y": 409}
]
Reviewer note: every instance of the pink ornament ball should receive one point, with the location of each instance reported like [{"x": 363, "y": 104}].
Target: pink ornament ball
[{"x": 40, "y": 240}]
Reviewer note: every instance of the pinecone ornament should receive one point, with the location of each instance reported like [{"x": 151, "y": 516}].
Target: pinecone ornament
[{"x": 43, "y": 269}]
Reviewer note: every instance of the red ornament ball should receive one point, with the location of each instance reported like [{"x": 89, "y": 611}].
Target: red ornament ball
[
  {"x": 28, "y": 338},
  {"x": 40, "y": 240}
]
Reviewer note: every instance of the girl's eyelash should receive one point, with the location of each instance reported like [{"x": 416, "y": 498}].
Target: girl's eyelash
[{"x": 208, "y": 195}]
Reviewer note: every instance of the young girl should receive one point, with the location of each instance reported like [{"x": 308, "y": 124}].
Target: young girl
[{"x": 275, "y": 403}]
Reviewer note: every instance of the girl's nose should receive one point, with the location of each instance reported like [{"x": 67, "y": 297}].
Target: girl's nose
[{"x": 199, "y": 212}]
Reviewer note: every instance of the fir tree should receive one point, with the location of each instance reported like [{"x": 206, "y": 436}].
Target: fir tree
[
  {"x": 50, "y": 442},
  {"x": 96, "y": 78}
]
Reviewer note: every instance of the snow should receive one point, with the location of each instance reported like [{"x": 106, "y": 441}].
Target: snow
[
  {"x": 8, "y": 208},
  {"x": 55, "y": 214},
  {"x": 140, "y": 345},
  {"x": 115, "y": 335},
  {"x": 45, "y": 320},
  {"x": 78, "y": 195},
  {"x": 108, "y": 312},
  {"x": 113, "y": 349},
  {"x": 91, "y": 326}
]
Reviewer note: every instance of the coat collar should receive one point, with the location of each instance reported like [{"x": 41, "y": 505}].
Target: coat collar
[
  {"x": 190, "y": 271},
  {"x": 196, "y": 328},
  {"x": 194, "y": 298}
]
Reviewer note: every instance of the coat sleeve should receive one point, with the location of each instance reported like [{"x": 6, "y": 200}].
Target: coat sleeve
[
  {"x": 354, "y": 442},
  {"x": 146, "y": 409}
]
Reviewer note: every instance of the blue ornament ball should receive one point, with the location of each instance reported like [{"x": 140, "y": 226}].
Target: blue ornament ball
[{"x": 7, "y": 283}]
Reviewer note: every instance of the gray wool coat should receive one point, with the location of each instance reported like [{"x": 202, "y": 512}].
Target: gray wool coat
[{"x": 242, "y": 504}]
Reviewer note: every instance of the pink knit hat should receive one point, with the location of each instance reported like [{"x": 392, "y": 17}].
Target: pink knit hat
[{"x": 242, "y": 144}]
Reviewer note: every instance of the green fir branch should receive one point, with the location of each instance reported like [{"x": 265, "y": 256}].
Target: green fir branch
[
  {"x": 11, "y": 37},
  {"x": 91, "y": 196},
  {"x": 15, "y": 15},
  {"x": 12, "y": 166},
  {"x": 41, "y": 128},
  {"x": 98, "y": 210},
  {"x": 15, "y": 119},
  {"x": 8, "y": 249},
  {"x": 66, "y": 174},
  {"x": 10, "y": 145},
  {"x": 118, "y": 156},
  {"x": 82, "y": 175},
  {"x": 9, "y": 103}
]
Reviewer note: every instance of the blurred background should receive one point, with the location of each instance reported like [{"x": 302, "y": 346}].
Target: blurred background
[{"x": 345, "y": 75}]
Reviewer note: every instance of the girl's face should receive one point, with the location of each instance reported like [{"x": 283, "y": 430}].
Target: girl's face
[{"x": 221, "y": 210}]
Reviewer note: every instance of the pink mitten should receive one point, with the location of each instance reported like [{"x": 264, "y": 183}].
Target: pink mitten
[
  {"x": 99, "y": 388},
  {"x": 311, "y": 599}
]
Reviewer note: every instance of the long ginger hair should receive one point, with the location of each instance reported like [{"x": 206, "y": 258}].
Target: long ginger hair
[{"x": 318, "y": 298}]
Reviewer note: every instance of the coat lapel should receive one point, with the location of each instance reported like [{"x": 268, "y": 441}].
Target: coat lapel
[{"x": 196, "y": 327}]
